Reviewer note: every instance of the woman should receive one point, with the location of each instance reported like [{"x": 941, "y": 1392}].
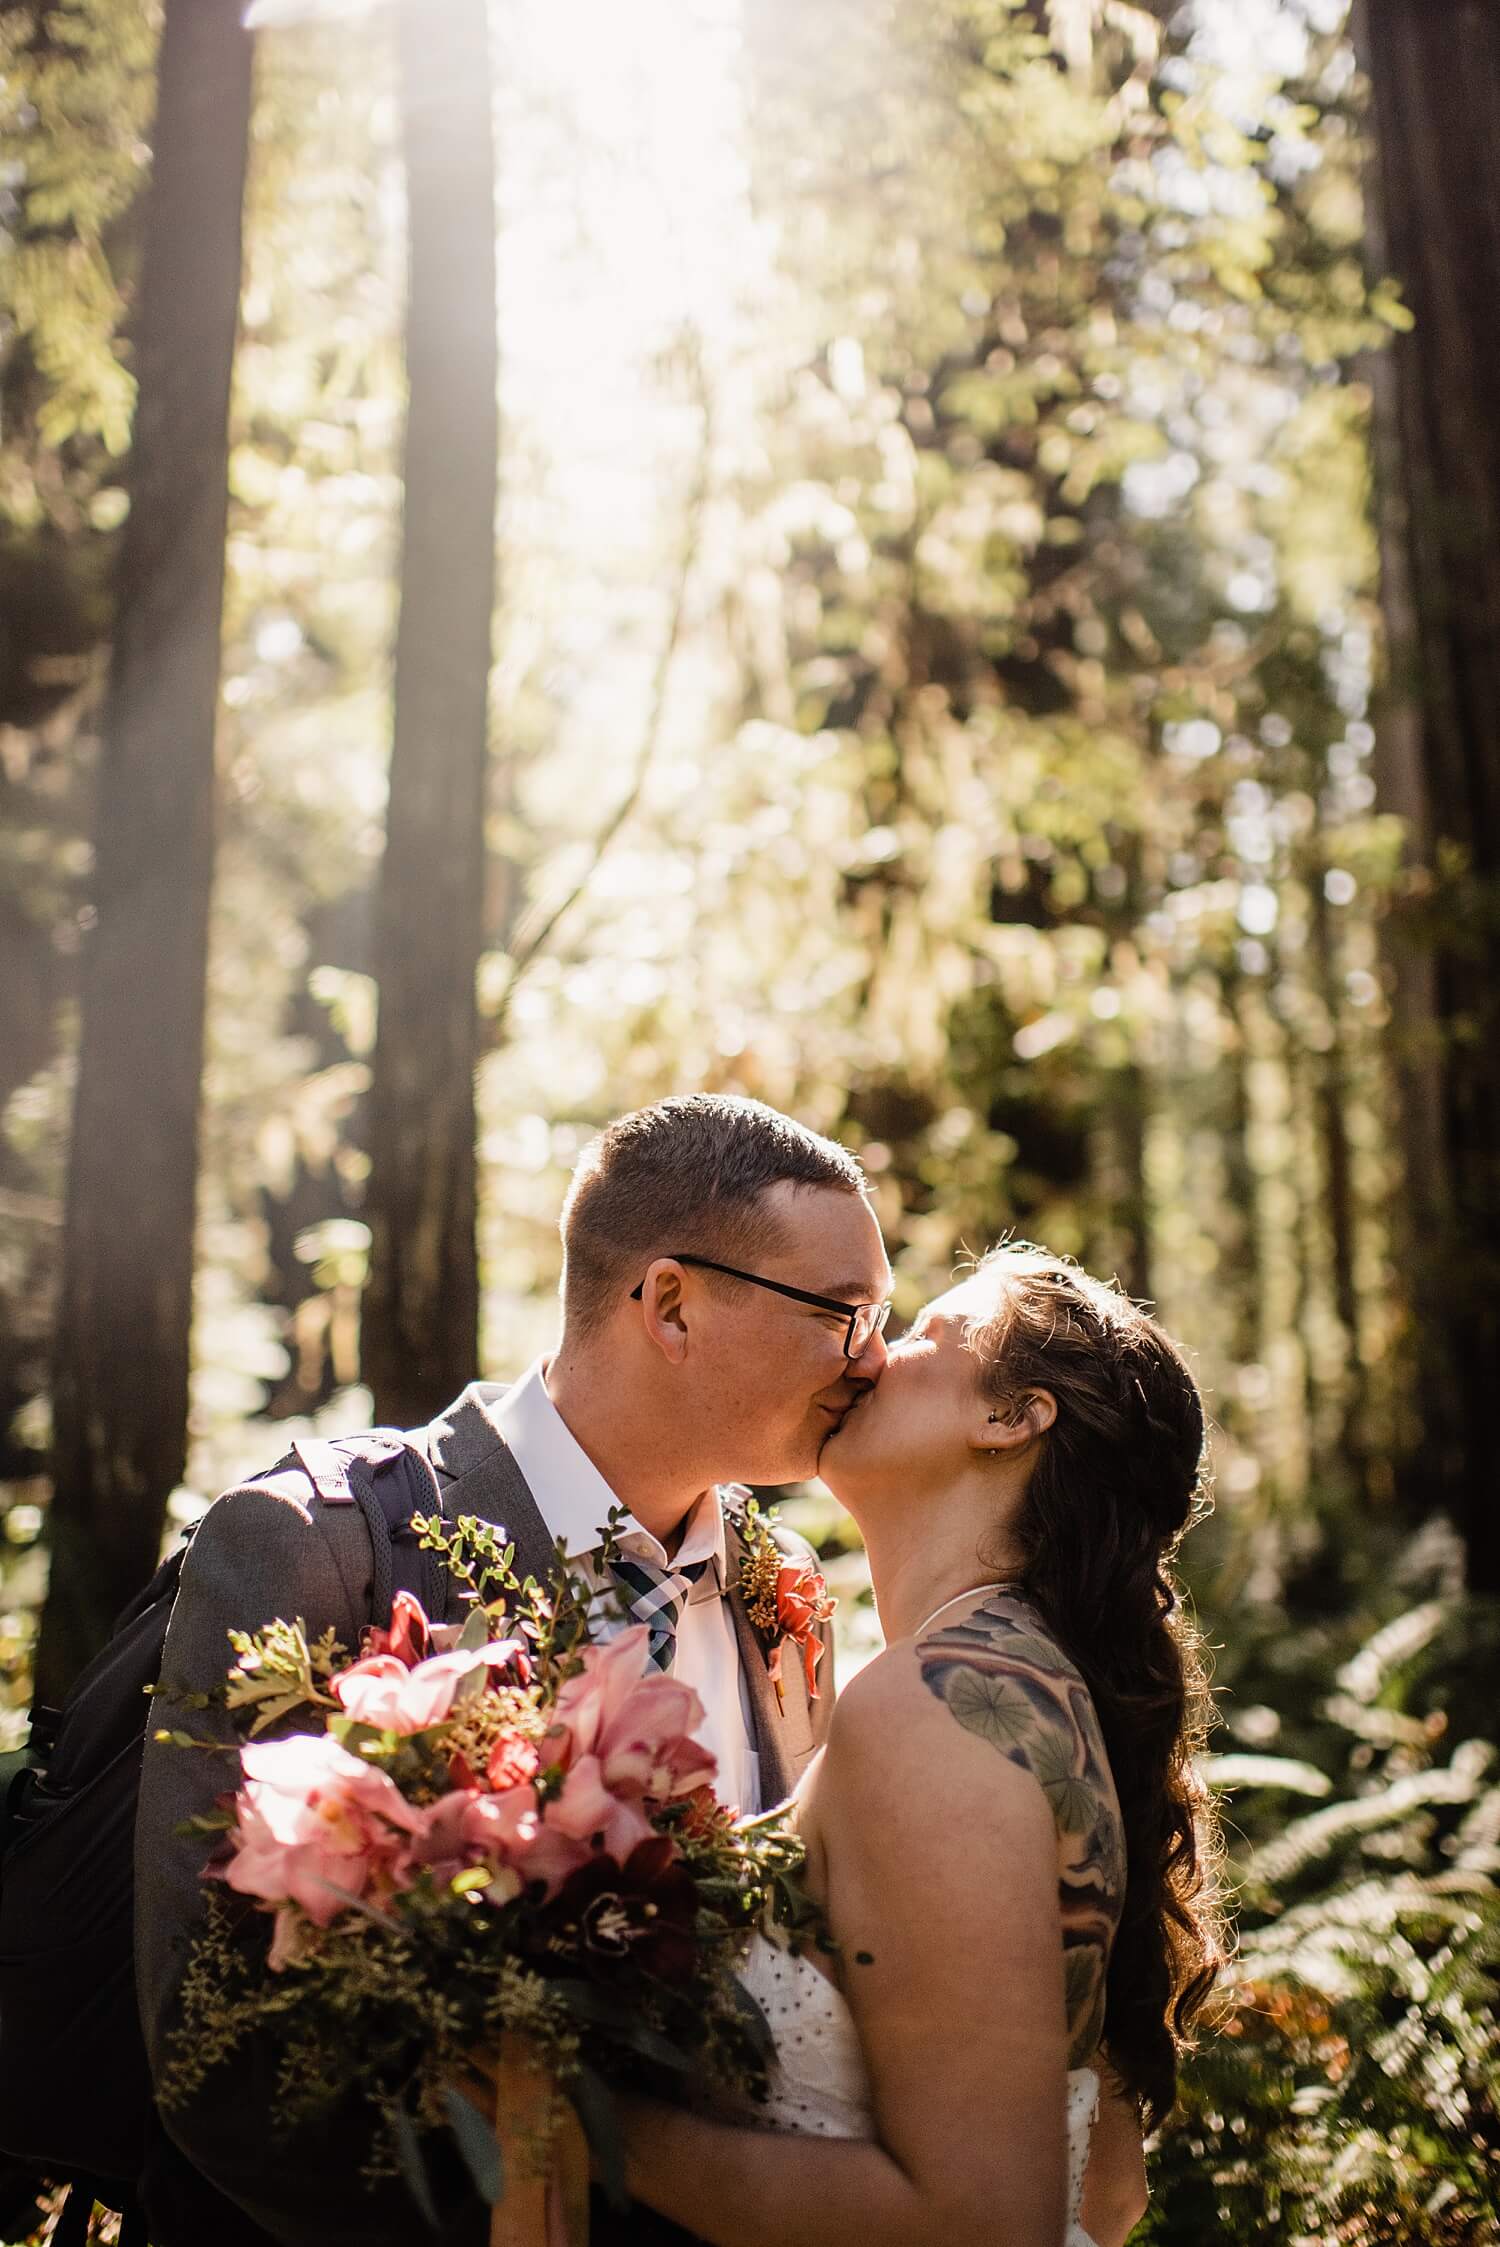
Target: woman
[{"x": 1004, "y": 1831}]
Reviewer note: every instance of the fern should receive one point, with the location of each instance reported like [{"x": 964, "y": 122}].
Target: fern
[{"x": 1350, "y": 2093}]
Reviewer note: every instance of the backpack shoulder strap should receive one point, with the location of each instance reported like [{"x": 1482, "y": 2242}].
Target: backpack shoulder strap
[
  {"x": 406, "y": 1483},
  {"x": 388, "y": 1475}
]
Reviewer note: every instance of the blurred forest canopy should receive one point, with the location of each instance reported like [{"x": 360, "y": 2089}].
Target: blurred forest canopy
[{"x": 938, "y": 687}]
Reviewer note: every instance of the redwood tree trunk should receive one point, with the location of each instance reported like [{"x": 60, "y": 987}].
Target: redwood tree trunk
[
  {"x": 1435, "y": 217},
  {"x": 421, "y": 1314},
  {"x": 120, "y": 1392}
]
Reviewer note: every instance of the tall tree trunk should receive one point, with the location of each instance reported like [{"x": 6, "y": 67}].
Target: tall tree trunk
[
  {"x": 421, "y": 1315},
  {"x": 120, "y": 1391},
  {"x": 1435, "y": 219},
  {"x": 1121, "y": 1244},
  {"x": 1340, "y": 1203}
]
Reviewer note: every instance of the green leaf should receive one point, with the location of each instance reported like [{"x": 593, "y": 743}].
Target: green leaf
[
  {"x": 757, "y": 2027},
  {"x": 273, "y": 1711},
  {"x": 210, "y": 1822},
  {"x": 413, "y": 2167},
  {"x": 476, "y": 1630},
  {"x": 594, "y": 2105},
  {"x": 1284, "y": 1772},
  {"x": 608, "y": 2014},
  {"x": 478, "y": 2145}
]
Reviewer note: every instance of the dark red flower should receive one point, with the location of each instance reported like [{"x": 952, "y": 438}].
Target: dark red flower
[
  {"x": 409, "y": 1638},
  {"x": 645, "y": 1910}
]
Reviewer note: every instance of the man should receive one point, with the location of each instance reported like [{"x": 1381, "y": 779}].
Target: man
[{"x": 724, "y": 1290}]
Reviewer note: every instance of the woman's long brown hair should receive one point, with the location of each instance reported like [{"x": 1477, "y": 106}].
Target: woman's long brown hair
[{"x": 1119, "y": 1476}]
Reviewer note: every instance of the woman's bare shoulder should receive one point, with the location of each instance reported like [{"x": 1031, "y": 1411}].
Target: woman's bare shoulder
[
  {"x": 1003, "y": 1677},
  {"x": 990, "y": 1677}
]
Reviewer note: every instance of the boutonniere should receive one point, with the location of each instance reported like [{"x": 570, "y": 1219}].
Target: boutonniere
[{"x": 785, "y": 1600}]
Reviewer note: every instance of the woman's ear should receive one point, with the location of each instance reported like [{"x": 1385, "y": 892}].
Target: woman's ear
[{"x": 1009, "y": 1427}]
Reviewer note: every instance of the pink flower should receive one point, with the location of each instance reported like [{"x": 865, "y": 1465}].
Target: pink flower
[
  {"x": 512, "y": 1763},
  {"x": 382, "y": 1692},
  {"x": 412, "y": 1637},
  {"x": 502, "y": 1829},
  {"x": 409, "y": 1638},
  {"x": 467, "y": 1828},
  {"x": 585, "y": 1819},
  {"x": 316, "y": 1826},
  {"x": 440, "y": 1840},
  {"x": 506, "y": 1834},
  {"x": 634, "y": 1722}
]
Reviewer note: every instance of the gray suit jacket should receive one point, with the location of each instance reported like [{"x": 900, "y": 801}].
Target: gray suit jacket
[{"x": 273, "y": 1547}]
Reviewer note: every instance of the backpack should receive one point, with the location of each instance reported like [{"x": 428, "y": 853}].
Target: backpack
[{"x": 75, "y": 2090}]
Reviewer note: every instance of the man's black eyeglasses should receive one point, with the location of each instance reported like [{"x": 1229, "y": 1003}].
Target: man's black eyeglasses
[{"x": 866, "y": 1320}]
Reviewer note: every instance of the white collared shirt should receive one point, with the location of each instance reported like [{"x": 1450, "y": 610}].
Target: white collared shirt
[{"x": 574, "y": 1501}]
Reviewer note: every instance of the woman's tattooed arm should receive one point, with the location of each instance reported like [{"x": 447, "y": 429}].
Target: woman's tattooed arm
[{"x": 1003, "y": 1679}]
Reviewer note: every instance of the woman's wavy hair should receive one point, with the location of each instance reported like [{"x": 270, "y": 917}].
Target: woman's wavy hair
[{"x": 1119, "y": 1477}]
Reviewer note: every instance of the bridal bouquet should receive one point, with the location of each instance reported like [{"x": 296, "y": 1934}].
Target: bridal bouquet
[{"x": 494, "y": 1838}]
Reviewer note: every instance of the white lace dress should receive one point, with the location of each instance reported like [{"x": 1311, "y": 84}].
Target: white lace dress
[{"x": 819, "y": 2087}]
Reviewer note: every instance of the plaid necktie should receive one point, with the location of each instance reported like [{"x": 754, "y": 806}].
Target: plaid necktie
[{"x": 657, "y": 1597}]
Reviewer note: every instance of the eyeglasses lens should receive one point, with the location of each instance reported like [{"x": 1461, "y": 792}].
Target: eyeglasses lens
[{"x": 864, "y": 1326}]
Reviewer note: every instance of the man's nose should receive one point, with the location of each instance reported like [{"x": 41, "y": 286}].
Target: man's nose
[{"x": 870, "y": 1363}]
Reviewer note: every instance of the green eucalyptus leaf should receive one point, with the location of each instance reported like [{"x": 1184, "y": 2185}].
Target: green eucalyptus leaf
[
  {"x": 476, "y": 1630},
  {"x": 594, "y": 2104},
  {"x": 478, "y": 2145},
  {"x": 413, "y": 2167}
]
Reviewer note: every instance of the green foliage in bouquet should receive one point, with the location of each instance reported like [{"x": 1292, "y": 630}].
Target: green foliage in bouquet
[
  {"x": 1352, "y": 2090},
  {"x": 496, "y": 1831}
]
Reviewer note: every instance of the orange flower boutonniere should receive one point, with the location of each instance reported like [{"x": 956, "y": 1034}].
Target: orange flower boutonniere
[{"x": 785, "y": 1600}]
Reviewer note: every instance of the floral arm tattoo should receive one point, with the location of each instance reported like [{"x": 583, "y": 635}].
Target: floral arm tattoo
[{"x": 1004, "y": 1680}]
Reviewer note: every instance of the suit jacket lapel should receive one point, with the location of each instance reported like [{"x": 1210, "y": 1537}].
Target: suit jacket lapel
[
  {"x": 480, "y": 1476},
  {"x": 783, "y": 1736}
]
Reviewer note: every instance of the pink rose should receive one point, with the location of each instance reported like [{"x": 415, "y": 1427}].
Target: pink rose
[
  {"x": 315, "y": 1826},
  {"x": 382, "y": 1692},
  {"x": 636, "y": 1723}
]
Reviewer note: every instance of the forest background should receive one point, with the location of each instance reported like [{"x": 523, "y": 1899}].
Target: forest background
[{"x": 976, "y": 622}]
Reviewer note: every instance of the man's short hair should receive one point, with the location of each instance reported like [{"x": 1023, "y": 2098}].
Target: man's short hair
[{"x": 685, "y": 1177}]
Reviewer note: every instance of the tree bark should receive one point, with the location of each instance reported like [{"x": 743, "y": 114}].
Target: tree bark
[
  {"x": 421, "y": 1313},
  {"x": 120, "y": 1390},
  {"x": 1435, "y": 223}
]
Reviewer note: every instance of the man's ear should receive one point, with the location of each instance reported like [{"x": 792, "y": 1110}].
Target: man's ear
[
  {"x": 1008, "y": 1428},
  {"x": 663, "y": 1313}
]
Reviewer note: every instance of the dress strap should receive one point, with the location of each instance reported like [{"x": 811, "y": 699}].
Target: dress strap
[{"x": 1007, "y": 1584}]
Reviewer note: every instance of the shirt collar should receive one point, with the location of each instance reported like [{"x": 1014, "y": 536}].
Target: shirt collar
[{"x": 574, "y": 1498}]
